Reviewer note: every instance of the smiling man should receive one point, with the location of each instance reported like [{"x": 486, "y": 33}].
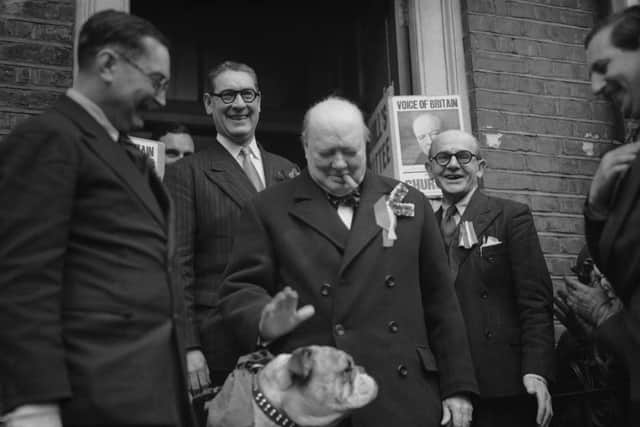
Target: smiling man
[
  {"x": 503, "y": 286},
  {"x": 209, "y": 188},
  {"x": 612, "y": 212},
  {"x": 91, "y": 322}
]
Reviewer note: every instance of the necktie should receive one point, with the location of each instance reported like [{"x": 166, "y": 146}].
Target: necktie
[
  {"x": 448, "y": 224},
  {"x": 250, "y": 169},
  {"x": 139, "y": 159},
  {"x": 351, "y": 200}
]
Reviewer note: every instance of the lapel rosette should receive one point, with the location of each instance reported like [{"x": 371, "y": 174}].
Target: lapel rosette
[
  {"x": 283, "y": 175},
  {"x": 468, "y": 236},
  {"x": 387, "y": 210}
]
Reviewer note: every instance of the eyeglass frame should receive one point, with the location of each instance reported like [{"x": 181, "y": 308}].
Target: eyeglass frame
[
  {"x": 472, "y": 155},
  {"x": 256, "y": 94},
  {"x": 157, "y": 85}
]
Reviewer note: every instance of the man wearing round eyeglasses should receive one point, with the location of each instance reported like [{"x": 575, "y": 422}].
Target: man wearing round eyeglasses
[
  {"x": 209, "y": 188},
  {"x": 503, "y": 286}
]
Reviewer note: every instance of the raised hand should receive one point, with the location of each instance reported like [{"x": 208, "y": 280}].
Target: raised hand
[{"x": 281, "y": 315}]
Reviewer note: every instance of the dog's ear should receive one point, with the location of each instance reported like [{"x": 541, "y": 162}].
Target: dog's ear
[{"x": 300, "y": 364}]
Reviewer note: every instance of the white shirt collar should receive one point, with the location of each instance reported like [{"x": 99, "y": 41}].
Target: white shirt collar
[
  {"x": 94, "y": 111},
  {"x": 234, "y": 149},
  {"x": 462, "y": 204}
]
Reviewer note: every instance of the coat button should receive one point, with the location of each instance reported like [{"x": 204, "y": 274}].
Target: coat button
[
  {"x": 402, "y": 370},
  {"x": 393, "y": 326},
  {"x": 324, "y": 290},
  {"x": 389, "y": 281},
  {"x": 484, "y": 295},
  {"x": 488, "y": 334},
  {"x": 339, "y": 329}
]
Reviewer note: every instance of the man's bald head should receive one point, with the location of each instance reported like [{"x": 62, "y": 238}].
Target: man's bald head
[{"x": 334, "y": 137}]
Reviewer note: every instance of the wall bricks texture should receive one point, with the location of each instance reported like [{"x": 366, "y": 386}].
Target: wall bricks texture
[
  {"x": 36, "y": 56},
  {"x": 542, "y": 131}
]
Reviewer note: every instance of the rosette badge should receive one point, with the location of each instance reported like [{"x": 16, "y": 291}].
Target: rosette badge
[{"x": 387, "y": 210}]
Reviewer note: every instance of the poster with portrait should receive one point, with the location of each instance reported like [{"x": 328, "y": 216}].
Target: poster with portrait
[
  {"x": 413, "y": 123},
  {"x": 154, "y": 149}
]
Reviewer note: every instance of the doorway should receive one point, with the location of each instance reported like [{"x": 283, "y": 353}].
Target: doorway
[{"x": 301, "y": 51}]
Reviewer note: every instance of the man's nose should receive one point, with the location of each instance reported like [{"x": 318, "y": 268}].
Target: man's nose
[
  {"x": 238, "y": 102},
  {"x": 161, "y": 97},
  {"x": 598, "y": 83},
  {"x": 453, "y": 163},
  {"x": 338, "y": 162}
]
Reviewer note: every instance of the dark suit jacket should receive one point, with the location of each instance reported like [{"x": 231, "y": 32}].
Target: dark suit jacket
[
  {"x": 615, "y": 247},
  {"x": 89, "y": 315},
  {"x": 208, "y": 189},
  {"x": 393, "y": 309},
  {"x": 506, "y": 297}
]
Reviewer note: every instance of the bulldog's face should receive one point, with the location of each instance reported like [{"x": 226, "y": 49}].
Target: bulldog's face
[{"x": 316, "y": 385}]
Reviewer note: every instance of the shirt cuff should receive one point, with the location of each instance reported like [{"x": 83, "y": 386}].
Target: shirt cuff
[
  {"x": 535, "y": 377},
  {"x": 43, "y": 415}
]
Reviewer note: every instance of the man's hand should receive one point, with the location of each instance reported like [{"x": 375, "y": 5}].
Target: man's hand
[
  {"x": 613, "y": 164},
  {"x": 590, "y": 303},
  {"x": 198, "y": 371},
  {"x": 36, "y": 415},
  {"x": 456, "y": 411},
  {"x": 574, "y": 323},
  {"x": 280, "y": 316},
  {"x": 537, "y": 386}
]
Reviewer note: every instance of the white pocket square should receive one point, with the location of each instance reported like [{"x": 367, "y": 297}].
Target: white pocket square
[{"x": 490, "y": 241}]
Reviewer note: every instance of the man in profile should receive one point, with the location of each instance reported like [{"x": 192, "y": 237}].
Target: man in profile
[
  {"x": 177, "y": 141},
  {"x": 324, "y": 239},
  {"x": 91, "y": 324},
  {"x": 612, "y": 212}
]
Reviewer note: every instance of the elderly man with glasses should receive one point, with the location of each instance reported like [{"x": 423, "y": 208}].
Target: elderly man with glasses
[
  {"x": 209, "y": 188},
  {"x": 503, "y": 286}
]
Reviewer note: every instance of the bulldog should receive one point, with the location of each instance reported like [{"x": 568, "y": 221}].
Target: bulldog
[{"x": 313, "y": 386}]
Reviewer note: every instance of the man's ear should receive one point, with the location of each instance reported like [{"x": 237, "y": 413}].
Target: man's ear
[
  {"x": 104, "y": 63},
  {"x": 429, "y": 169},
  {"x": 207, "y": 100},
  {"x": 300, "y": 364},
  {"x": 482, "y": 164}
]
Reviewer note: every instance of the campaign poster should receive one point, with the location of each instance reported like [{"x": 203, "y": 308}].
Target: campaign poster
[
  {"x": 413, "y": 123},
  {"x": 154, "y": 149}
]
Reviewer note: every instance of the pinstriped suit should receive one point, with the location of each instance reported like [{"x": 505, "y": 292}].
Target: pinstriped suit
[{"x": 209, "y": 189}]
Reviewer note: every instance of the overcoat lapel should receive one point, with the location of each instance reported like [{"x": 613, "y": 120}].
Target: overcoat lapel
[
  {"x": 481, "y": 214},
  {"x": 311, "y": 206},
  {"x": 364, "y": 227},
  {"x": 113, "y": 155},
  {"x": 227, "y": 174},
  {"x": 624, "y": 201}
]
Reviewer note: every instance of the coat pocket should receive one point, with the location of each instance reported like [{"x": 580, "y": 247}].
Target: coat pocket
[{"x": 427, "y": 358}]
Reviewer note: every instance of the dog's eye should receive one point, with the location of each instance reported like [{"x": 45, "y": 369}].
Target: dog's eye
[{"x": 349, "y": 368}]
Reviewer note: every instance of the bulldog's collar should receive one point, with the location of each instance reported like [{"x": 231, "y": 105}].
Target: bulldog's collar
[{"x": 279, "y": 417}]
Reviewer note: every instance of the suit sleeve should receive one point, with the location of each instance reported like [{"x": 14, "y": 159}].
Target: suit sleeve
[
  {"x": 180, "y": 183},
  {"x": 443, "y": 317},
  {"x": 37, "y": 186},
  {"x": 249, "y": 279},
  {"x": 621, "y": 334},
  {"x": 534, "y": 294}
]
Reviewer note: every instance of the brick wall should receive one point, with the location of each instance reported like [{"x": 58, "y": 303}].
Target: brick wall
[
  {"x": 541, "y": 129},
  {"x": 36, "y": 56}
]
